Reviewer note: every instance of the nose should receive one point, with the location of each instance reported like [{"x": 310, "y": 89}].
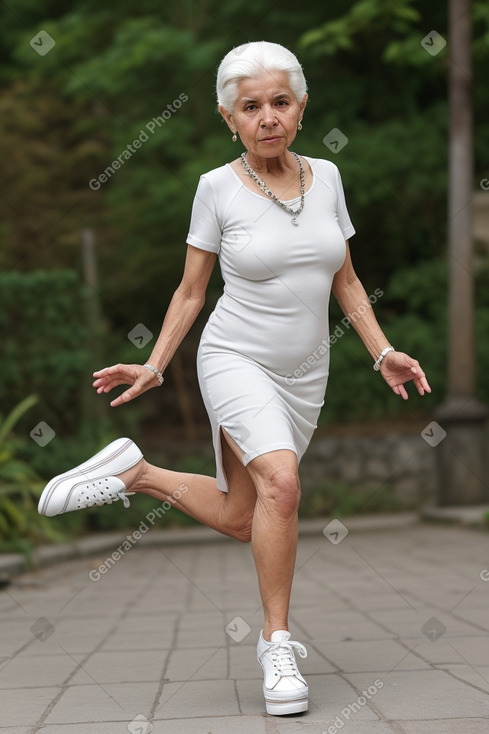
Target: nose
[{"x": 269, "y": 118}]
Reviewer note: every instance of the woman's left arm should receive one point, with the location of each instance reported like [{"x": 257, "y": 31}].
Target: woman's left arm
[{"x": 396, "y": 367}]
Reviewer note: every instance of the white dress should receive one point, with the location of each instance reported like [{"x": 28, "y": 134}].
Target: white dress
[{"x": 263, "y": 357}]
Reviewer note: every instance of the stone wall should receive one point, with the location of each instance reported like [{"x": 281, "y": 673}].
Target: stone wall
[
  {"x": 405, "y": 464},
  {"x": 388, "y": 459}
]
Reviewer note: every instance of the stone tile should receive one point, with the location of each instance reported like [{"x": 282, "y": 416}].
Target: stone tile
[
  {"x": 201, "y": 630},
  {"x": 36, "y": 672},
  {"x": 16, "y": 633},
  {"x": 202, "y": 725},
  {"x": 138, "y": 610},
  {"x": 475, "y": 615},
  {"x": 138, "y": 639},
  {"x": 475, "y": 675},
  {"x": 74, "y": 635},
  {"x": 452, "y": 726},
  {"x": 340, "y": 625},
  {"x": 154, "y": 622},
  {"x": 407, "y": 623},
  {"x": 370, "y": 655},
  {"x": 98, "y": 728},
  {"x": 455, "y": 650},
  {"x": 436, "y": 695},
  {"x": 242, "y": 662},
  {"x": 215, "y": 724},
  {"x": 203, "y": 663},
  {"x": 102, "y": 703},
  {"x": 349, "y": 727},
  {"x": 209, "y": 698},
  {"x": 121, "y": 667},
  {"x": 24, "y": 706}
]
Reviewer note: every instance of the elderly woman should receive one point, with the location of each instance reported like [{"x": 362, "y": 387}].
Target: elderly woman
[{"x": 279, "y": 225}]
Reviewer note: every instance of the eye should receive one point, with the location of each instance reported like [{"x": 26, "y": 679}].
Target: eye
[
  {"x": 282, "y": 102},
  {"x": 249, "y": 107}
]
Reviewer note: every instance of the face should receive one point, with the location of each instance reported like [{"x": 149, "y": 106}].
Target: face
[{"x": 266, "y": 114}]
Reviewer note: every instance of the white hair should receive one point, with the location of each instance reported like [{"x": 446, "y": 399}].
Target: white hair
[{"x": 250, "y": 61}]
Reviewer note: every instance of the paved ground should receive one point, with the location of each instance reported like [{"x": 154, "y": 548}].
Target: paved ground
[{"x": 164, "y": 641}]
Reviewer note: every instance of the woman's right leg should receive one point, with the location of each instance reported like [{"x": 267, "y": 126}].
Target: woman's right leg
[{"x": 197, "y": 495}]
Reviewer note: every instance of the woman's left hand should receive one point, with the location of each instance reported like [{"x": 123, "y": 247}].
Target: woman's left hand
[{"x": 397, "y": 368}]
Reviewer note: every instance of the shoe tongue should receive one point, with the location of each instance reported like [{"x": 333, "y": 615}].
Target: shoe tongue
[{"x": 280, "y": 636}]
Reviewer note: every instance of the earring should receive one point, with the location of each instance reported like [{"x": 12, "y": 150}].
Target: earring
[
  {"x": 234, "y": 138},
  {"x": 299, "y": 126}
]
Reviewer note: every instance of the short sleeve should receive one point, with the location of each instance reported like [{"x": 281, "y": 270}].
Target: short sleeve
[
  {"x": 342, "y": 212},
  {"x": 205, "y": 231}
]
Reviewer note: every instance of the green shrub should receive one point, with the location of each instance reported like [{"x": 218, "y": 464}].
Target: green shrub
[
  {"x": 413, "y": 312},
  {"x": 44, "y": 335},
  {"x": 21, "y": 527}
]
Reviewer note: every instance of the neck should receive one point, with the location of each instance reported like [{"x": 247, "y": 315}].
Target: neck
[{"x": 275, "y": 166}]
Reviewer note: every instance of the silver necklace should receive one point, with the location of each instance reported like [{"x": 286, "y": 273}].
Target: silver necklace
[{"x": 272, "y": 196}]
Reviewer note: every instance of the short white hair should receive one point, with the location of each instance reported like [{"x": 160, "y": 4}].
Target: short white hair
[{"x": 251, "y": 60}]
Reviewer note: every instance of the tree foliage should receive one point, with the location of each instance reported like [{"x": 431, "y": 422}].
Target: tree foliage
[{"x": 67, "y": 116}]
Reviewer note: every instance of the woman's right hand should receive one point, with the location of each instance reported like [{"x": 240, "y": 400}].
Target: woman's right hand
[{"x": 140, "y": 378}]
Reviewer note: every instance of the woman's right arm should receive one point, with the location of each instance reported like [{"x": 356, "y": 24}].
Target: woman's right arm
[{"x": 184, "y": 308}]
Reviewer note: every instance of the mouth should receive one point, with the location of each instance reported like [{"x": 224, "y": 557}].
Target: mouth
[{"x": 271, "y": 139}]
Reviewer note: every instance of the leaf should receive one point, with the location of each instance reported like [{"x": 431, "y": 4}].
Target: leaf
[{"x": 15, "y": 415}]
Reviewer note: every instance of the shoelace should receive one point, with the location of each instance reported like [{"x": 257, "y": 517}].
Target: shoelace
[
  {"x": 283, "y": 656},
  {"x": 101, "y": 497}
]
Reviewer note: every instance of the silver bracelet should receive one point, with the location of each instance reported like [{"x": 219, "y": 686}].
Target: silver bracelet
[
  {"x": 381, "y": 357},
  {"x": 157, "y": 372}
]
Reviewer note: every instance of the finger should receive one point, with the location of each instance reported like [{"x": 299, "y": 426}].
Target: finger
[
  {"x": 402, "y": 392},
  {"x": 422, "y": 385},
  {"x": 101, "y": 382},
  {"x": 140, "y": 386},
  {"x": 419, "y": 385},
  {"x": 125, "y": 397},
  {"x": 108, "y": 386},
  {"x": 109, "y": 370}
]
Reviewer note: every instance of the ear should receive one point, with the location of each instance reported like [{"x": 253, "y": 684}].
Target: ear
[
  {"x": 303, "y": 103},
  {"x": 228, "y": 117}
]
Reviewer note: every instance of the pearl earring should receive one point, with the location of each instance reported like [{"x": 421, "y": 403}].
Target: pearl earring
[
  {"x": 299, "y": 126},
  {"x": 234, "y": 138}
]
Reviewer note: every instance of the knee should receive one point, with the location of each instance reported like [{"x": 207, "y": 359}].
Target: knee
[{"x": 281, "y": 493}]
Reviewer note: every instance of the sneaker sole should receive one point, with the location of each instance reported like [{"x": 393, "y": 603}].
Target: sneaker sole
[
  {"x": 276, "y": 708},
  {"x": 111, "y": 454}
]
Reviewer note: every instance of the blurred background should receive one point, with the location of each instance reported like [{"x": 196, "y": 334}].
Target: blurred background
[{"x": 89, "y": 261}]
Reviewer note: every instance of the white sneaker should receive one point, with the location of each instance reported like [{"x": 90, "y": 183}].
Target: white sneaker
[
  {"x": 284, "y": 688},
  {"x": 95, "y": 482}
]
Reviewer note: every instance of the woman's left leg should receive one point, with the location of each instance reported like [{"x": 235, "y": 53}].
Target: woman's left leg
[{"x": 274, "y": 533}]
